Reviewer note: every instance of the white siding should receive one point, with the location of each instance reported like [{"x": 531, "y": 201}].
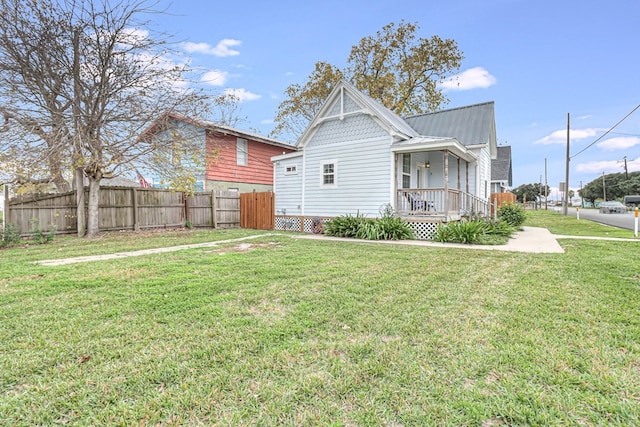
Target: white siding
[
  {"x": 481, "y": 186},
  {"x": 361, "y": 150},
  {"x": 288, "y": 188}
]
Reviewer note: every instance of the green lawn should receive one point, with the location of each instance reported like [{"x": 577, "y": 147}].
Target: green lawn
[
  {"x": 568, "y": 225},
  {"x": 298, "y": 332}
]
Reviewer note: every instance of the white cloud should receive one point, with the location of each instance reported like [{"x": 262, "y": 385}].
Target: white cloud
[
  {"x": 473, "y": 78},
  {"x": 560, "y": 136},
  {"x": 608, "y": 166},
  {"x": 619, "y": 143},
  {"x": 223, "y": 48},
  {"x": 266, "y": 122},
  {"x": 242, "y": 94},
  {"x": 215, "y": 77}
]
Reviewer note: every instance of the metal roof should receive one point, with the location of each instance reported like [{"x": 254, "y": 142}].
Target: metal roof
[
  {"x": 471, "y": 125},
  {"x": 501, "y": 166}
]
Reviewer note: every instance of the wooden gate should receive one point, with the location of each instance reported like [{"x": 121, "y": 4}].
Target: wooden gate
[{"x": 257, "y": 210}]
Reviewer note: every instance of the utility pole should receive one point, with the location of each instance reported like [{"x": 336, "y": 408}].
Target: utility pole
[
  {"x": 626, "y": 171},
  {"x": 546, "y": 186},
  {"x": 539, "y": 193},
  {"x": 604, "y": 190},
  {"x": 565, "y": 202}
]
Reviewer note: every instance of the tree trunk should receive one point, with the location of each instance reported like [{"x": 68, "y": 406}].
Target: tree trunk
[{"x": 93, "y": 218}]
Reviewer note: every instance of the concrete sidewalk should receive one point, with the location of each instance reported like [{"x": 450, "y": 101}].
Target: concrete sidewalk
[{"x": 530, "y": 239}]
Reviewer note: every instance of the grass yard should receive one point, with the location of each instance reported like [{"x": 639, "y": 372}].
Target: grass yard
[
  {"x": 561, "y": 224},
  {"x": 299, "y": 332}
]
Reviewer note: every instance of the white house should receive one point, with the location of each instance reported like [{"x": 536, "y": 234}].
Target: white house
[{"x": 356, "y": 156}]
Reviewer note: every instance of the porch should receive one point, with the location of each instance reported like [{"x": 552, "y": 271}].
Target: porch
[{"x": 438, "y": 204}]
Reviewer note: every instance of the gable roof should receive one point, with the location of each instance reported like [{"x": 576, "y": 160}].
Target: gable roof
[
  {"x": 209, "y": 125},
  {"x": 394, "y": 124},
  {"x": 471, "y": 124},
  {"x": 501, "y": 169}
]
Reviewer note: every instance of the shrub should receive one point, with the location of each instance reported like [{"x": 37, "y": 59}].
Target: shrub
[
  {"x": 389, "y": 227},
  {"x": 461, "y": 232},
  {"x": 343, "y": 226},
  {"x": 39, "y": 236},
  {"x": 479, "y": 231},
  {"x": 10, "y": 236},
  {"x": 499, "y": 228},
  {"x": 513, "y": 214}
]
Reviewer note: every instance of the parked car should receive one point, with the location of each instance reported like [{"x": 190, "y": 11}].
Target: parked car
[
  {"x": 612, "y": 207},
  {"x": 632, "y": 201}
]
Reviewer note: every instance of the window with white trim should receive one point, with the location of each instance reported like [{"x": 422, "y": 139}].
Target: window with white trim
[
  {"x": 406, "y": 171},
  {"x": 242, "y": 152},
  {"x": 291, "y": 170},
  {"x": 328, "y": 173}
]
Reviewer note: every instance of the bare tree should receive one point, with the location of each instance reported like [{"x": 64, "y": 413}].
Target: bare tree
[{"x": 82, "y": 80}]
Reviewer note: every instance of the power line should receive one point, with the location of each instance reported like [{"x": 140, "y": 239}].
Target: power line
[{"x": 605, "y": 134}]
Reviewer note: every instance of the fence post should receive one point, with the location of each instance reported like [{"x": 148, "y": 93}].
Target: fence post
[
  {"x": 5, "y": 209},
  {"x": 213, "y": 209},
  {"x": 186, "y": 207},
  {"x": 134, "y": 194}
]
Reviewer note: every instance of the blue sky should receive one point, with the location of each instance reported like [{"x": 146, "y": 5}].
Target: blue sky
[{"x": 538, "y": 60}]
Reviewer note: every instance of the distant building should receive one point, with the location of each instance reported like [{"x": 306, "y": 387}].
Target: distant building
[{"x": 501, "y": 170}]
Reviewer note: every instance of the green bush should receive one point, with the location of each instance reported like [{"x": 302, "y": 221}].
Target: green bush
[
  {"x": 389, "y": 227},
  {"x": 10, "y": 236},
  {"x": 460, "y": 232},
  {"x": 39, "y": 236},
  {"x": 499, "y": 228},
  {"x": 343, "y": 226},
  {"x": 513, "y": 214},
  {"x": 478, "y": 231}
]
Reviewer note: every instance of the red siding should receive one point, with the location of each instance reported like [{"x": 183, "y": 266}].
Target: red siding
[{"x": 259, "y": 169}]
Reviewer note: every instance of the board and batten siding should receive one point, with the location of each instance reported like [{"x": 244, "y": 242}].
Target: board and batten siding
[
  {"x": 288, "y": 186},
  {"x": 360, "y": 150}
]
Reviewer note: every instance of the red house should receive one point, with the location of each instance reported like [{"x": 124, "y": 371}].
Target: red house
[{"x": 237, "y": 160}]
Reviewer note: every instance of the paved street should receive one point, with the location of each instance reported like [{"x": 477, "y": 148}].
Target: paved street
[{"x": 625, "y": 221}]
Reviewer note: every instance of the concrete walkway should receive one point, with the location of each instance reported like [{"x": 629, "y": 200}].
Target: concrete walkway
[
  {"x": 530, "y": 240},
  {"x": 75, "y": 260}
]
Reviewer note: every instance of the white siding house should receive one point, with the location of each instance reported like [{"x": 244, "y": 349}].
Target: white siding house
[{"x": 356, "y": 156}]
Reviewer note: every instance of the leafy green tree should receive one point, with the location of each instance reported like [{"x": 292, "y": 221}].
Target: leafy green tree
[
  {"x": 394, "y": 67},
  {"x": 530, "y": 192},
  {"x": 616, "y": 186}
]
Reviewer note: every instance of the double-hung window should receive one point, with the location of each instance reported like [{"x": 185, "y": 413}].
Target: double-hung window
[
  {"x": 328, "y": 170},
  {"x": 406, "y": 171},
  {"x": 242, "y": 152}
]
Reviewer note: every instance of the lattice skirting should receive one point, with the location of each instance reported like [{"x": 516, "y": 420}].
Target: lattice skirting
[
  {"x": 303, "y": 224},
  {"x": 424, "y": 230}
]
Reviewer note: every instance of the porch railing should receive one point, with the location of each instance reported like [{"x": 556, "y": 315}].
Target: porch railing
[{"x": 438, "y": 201}]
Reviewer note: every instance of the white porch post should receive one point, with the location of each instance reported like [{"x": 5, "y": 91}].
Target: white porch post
[
  {"x": 459, "y": 188},
  {"x": 446, "y": 181},
  {"x": 466, "y": 171}
]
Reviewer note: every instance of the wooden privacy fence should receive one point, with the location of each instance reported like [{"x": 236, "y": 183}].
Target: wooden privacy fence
[
  {"x": 499, "y": 199},
  {"x": 257, "y": 210},
  {"x": 124, "y": 208}
]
